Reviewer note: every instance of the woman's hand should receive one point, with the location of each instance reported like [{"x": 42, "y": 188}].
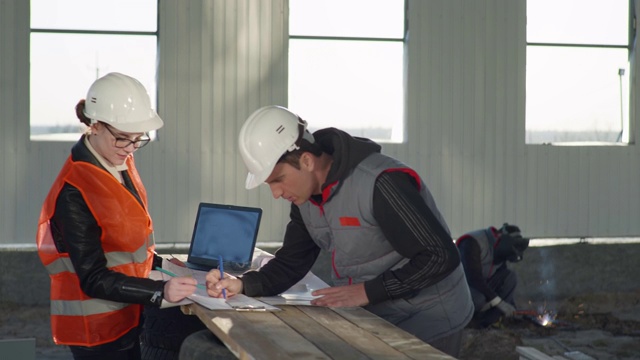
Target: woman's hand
[{"x": 178, "y": 288}]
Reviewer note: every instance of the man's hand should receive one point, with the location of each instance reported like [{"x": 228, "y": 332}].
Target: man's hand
[
  {"x": 341, "y": 296},
  {"x": 507, "y": 309},
  {"x": 232, "y": 284}
]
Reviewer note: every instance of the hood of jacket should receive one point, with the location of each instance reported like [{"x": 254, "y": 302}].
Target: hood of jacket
[{"x": 347, "y": 152}]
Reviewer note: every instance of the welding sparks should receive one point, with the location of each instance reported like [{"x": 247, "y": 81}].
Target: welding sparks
[
  {"x": 543, "y": 316},
  {"x": 546, "y": 319},
  {"x": 546, "y": 316}
]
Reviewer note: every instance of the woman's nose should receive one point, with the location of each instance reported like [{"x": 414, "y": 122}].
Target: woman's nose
[{"x": 130, "y": 148}]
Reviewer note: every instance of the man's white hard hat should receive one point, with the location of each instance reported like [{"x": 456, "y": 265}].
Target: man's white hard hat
[
  {"x": 122, "y": 102},
  {"x": 267, "y": 134}
]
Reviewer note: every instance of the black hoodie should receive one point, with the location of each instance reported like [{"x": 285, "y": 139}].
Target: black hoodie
[{"x": 432, "y": 257}]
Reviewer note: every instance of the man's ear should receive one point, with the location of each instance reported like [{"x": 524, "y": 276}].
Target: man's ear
[{"x": 307, "y": 162}]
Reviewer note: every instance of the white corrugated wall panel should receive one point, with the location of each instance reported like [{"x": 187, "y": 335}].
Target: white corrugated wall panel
[
  {"x": 18, "y": 173},
  {"x": 220, "y": 60},
  {"x": 459, "y": 105},
  {"x": 466, "y": 106}
]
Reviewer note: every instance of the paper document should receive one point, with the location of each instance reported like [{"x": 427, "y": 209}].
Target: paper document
[
  {"x": 237, "y": 302},
  {"x": 298, "y": 294}
]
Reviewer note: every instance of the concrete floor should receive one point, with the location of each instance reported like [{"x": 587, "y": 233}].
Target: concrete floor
[{"x": 548, "y": 275}]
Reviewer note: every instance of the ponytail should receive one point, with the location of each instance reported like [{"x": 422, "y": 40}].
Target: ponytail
[{"x": 80, "y": 113}]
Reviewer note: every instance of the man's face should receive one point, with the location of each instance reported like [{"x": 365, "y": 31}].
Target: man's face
[
  {"x": 291, "y": 184},
  {"x": 510, "y": 248}
]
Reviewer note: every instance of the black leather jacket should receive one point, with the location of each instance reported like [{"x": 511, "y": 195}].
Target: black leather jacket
[{"x": 76, "y": 232}]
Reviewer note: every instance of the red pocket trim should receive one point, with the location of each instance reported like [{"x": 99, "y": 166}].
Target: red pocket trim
[{"x": 349, "y": 221}]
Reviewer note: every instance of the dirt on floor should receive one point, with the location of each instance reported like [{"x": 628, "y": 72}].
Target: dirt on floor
[{"x": 598, "y": 326}]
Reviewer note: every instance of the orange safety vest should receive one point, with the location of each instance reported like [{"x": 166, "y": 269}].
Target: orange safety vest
[{"x": 127, "y": 241}]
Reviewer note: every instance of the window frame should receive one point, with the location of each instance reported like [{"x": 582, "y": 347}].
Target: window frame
[
  {"x": 631, "y": 26},
  {"x": 401, "y": 40},
  {"x": 72, "y": 136}
]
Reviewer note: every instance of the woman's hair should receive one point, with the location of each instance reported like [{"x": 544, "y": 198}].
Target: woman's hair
[{"x": 80, "y": 113}]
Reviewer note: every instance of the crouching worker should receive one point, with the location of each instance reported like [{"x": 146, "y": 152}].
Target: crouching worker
[{"x": 484, "y": 254}]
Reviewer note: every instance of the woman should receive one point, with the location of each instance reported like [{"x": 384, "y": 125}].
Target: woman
[{"x": 95, "y": 235}]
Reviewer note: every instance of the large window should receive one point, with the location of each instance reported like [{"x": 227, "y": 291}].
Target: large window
[
  {"x": 346, "y": 65},
  {"x": 578, "y": 71},
  {"x": 74, "y": 42}
]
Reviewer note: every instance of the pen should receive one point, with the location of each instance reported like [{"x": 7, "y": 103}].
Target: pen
[
  {"x": 249, "y": 308},
  {"x": 174, "y": 275},
  {"x": 221, "y": 268}
]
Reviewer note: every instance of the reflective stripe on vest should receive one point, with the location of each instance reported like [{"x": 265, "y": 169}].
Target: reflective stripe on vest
[
  {"x": 127, "y": 242},
  {"x": 85, "y": 307},
  {"x": 114, "y": 259},
  {"x": 89, "y": 329}
]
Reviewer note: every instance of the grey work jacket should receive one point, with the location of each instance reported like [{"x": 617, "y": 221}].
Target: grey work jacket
[{"x": 345, "y": 225}]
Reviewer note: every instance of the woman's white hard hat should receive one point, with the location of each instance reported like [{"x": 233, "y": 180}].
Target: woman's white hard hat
[
  {"x": 266, "y": 135},
  {"x": 122, "y": 102}
]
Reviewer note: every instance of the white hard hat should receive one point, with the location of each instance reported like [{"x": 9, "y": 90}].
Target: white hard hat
[
  {"x": 122, "y": 102},
  {"x": 266, "y": 135}
]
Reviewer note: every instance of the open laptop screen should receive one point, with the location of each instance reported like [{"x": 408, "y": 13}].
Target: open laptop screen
[{"x": 229, "y": 231}]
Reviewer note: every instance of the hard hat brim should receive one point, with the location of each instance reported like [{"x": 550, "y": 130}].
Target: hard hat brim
[
  {"x": 251, "y": 182},
  {"x": 153, "y": 123},
  {"x": 254, "y": 180}
]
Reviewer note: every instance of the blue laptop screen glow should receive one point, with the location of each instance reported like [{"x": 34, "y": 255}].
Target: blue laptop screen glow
[{"x": 224, "y": 230}]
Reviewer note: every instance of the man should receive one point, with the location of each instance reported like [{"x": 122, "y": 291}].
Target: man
[
  {"x": 391, "y": 249},
  {"x": 485, "y": 254}
]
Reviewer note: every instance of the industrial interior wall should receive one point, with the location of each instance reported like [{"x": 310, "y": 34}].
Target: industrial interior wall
[{"x": 220, "y": 60}]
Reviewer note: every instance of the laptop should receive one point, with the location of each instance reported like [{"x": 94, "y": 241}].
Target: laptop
[{"x": 226, "y": 231}]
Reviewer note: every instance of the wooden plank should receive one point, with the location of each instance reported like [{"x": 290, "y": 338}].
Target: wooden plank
[
  {"x": 222, "y": 331},
  {"x": 529, "y": 353},
  {"x": 331, "y": 344},
  {"x": 390, "y": 334},
  {"x": 362, "y": 340},
  {"x": 257, "y": 335}
]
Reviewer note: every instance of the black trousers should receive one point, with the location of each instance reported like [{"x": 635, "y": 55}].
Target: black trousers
[
  {"x": 127, "y": 347},
  {"x": 503, "y": 282}
]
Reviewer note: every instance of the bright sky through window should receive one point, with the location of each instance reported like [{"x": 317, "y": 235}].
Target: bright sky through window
[
  {"x": 577, "y": 93},
  {"x": 346, "y": 65},
  {"x": 73, "y": 43}
]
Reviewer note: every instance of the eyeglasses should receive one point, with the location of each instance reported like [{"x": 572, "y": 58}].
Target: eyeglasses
[{"x": 122, "y": 143}]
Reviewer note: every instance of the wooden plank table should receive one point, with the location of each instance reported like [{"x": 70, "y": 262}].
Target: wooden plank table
[{"x": 312, "y": 332}]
